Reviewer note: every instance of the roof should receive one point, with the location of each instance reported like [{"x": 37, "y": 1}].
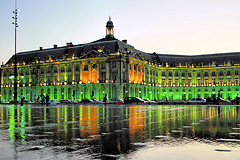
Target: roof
[{"x": 113, "y": 45}]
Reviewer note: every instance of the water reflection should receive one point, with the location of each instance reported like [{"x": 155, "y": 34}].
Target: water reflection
[{"x": 107, "y": 132}]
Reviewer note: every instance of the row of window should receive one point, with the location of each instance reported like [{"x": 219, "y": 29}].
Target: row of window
[
  {"x": 200, "y": 83},
  {"x": 221, "y": 73}
]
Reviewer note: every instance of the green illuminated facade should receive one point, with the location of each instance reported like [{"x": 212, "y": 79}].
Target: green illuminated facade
[{"x": 113, "y": 67}]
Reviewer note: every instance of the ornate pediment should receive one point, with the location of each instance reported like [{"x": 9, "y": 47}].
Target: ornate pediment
[
  {"x": 138, "y": 56},
  {"x": 93, "y": 54}
]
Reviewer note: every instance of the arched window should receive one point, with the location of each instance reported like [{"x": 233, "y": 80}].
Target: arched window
[
  {"x": 69, "y": 93},
  {"x": 77, "y": 93},
  {"x": 48, "y": 92},
  {"x": 62, "y": 93},
  {"x": 55, "y": 93}
]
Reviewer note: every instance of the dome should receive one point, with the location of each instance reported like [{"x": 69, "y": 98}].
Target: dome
[{"x": 109, "y": 23}]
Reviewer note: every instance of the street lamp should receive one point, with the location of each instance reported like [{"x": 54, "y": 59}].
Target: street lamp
[{"x": 15, "y": 18}]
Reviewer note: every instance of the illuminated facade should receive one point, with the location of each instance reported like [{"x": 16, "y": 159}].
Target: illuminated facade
[{"x": 113, "y": 67}]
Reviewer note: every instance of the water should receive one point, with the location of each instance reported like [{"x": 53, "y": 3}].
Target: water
[{"x": 119, "y": 132}]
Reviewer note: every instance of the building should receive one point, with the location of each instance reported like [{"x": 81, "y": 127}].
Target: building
[{"x": 113, "y": 67}]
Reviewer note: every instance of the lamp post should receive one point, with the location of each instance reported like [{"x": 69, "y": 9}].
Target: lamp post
[{"x": 15, "y": 18}]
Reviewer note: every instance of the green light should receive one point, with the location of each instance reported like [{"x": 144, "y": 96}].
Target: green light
[{"x": 12, "y": 124}]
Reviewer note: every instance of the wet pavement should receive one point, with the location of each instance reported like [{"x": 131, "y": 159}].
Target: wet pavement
[{"x": 119, "y": 132}]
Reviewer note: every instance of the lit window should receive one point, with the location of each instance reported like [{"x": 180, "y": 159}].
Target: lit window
[
  {"x": 85, "y": 68},
  {"x": 229, "y": 82}
]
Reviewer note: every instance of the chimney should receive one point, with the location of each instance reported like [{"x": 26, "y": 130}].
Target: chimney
[
  {"x": 124, "y": 41},
  {"x": 69, "y": 44},
  {"x": 54, "y": 46},
  {"x": 40, "y": 48}
]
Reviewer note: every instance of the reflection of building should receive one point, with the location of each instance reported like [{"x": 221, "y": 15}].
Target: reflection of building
[{"x": 113, "y": 67}]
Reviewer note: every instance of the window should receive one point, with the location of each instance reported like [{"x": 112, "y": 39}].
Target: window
[
  {"x": 170, "y": 83},
  {"x": 62, "y": 69},
  {"x": 62, "y": 93},
  {"x": 229, "y": 82},
  {"x": 114, "y": 76},
  {"x": 183, "y": 74},
  {"x": 55, "y": 79},
  {"x": 69, "y": 69},
  {"x": 103, "y": 66},
  {"x": 34, "y": 71},
  {"x": 69, "y": 78},
  {"x": 55, "y": 70},
  {"x": 206, "y": 74},
  {"x": 33, "y": 80},
  {"x": 213, "y": 74},
  {"x": 221, "y": 74},
  {"x": 42, "y": 70},
  {"x": 41, "y": 80},
  {"x": 62, "y": 78},
  {"x": 198, "y": 74},
  {"x": 198, "y": 82},
  {"x": 135, "y": 67},
  {"x": 221, "y": 83},
  {"x": 85, "y": 68},
  {"x": 77, "y": 93},
  {"x": 55, "y": 93},
  {"x": 170, "y": 74},
  {"x": 163, "y": 83},
  {"x": 163, "y": 73},
  {"x": 189, "y": 74},
  {"x": 103, "y": 76},
  {"x": 236, "y": 82},
  {"x": 48, "y": 70},
  {"x": 206, "y": 83},
  {"x": 94, "y": 66},
  {"x": 77, "y": 77},
  {"x": 228, "y": 73},
  {"x": 114, "y": 64},
  {"x": 69, "y": 93},
  {"x": 183, "y": 83},
  {"x": 177, "y": 82},
  {"x": 49, "y": 80},
  {"x": 26, "y": 81},
  {"x": 236, "y": 73},
  {"x": 213, "y": 82},
  {"x": 77, "y": 68},
  {"x": 176, "y": 74}
]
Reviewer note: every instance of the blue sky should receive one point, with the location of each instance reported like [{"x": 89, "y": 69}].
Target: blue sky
[{"x": 164, "y": 26}]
